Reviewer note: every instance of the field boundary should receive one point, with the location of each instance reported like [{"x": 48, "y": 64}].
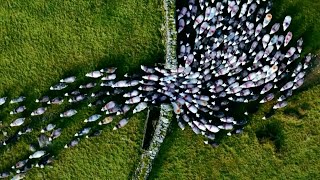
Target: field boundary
[{"x": 169, "y": 34}]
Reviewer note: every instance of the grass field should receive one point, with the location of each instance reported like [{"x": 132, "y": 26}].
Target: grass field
[
  {"x": 44, "y": 41},
  {"x": 285, "y": 146}
]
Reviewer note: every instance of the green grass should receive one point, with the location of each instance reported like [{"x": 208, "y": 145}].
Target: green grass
[
  {"x": 285, "y": 146},
  {"x": 113, "y": 155},
  {"x": 43, "y": 41}
]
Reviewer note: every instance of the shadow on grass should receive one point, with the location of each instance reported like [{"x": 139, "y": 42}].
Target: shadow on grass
[
  {"x": 53, "y": 115},
  {"x": 169, "y": 142},
  {"x": 271, "y": 132},
  {"x": 150, "y": 127},
  {"x": 294, "y": 112}
]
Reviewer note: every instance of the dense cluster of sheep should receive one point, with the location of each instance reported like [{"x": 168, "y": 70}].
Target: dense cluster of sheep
[{"x": 229, "y": 55}]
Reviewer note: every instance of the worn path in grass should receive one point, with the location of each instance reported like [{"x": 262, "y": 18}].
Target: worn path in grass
[
  {"x": 44, "y": 41},
  {"x": 284, "y": 147}
]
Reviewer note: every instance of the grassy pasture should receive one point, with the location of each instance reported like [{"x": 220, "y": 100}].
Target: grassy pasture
[
  {"x": 43, "y": 41},
  {"x": 285, "y": 146}
]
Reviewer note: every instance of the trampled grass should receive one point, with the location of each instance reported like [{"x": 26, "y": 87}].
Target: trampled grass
[{"x": 43, "y": 41}]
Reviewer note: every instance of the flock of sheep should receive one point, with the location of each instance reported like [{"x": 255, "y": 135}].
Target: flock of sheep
[{"x": 229, "y": 56}]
